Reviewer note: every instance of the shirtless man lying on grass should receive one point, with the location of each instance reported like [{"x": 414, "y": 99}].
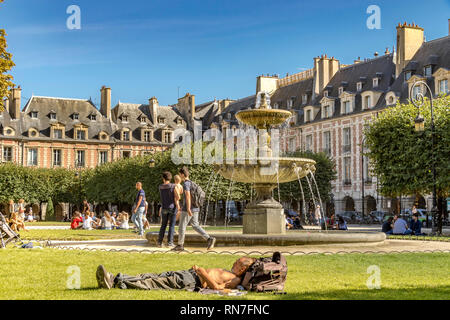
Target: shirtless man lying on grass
[{"x": 194, "y": 278}]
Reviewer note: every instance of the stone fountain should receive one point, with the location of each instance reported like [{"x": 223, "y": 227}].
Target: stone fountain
[{"x": 265, "y": 215}]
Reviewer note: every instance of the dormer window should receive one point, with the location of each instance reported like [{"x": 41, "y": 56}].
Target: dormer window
[
  {"x": 124, "y": 118},
  {"x": 408, "y": 75},
  {"x": 290, "y": 103},
  {"x": 341, "y": 90},
  {"x": 34, "y": 114},
  {"x": 325, "y": 93},
  {"x": 179, "y": 120},
  {"x": 161, "y": 120},
  {"x": 375, "y": 82},
  {"x": 326, "y": 111},
  {"x": 81, "y": 135},
  {"x": 52, "y": 116},
  {"x": 75, "y": 116},
  {"x": 359, "y": 86},
  {"x": 347, "y": 107},
  {"x": 308, "y": 116},
  {"x": 304, "y": 98},
  {"x": 93, "y": 117},
  {"x": 142, "y": 119},
  {"x": 428, "y": 71}
]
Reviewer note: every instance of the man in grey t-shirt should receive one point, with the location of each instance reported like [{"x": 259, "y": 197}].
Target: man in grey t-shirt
[{"x": 189, "y": 215}]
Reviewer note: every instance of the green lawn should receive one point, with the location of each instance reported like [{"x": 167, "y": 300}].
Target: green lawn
[
  {"x": 41, "y": 274},
  {"x": 68, "y": 234}
]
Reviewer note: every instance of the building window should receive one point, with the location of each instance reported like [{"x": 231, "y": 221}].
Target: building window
[
  {"x": 7, "y": 154},
  {"x": 347, "y": 144},
  {"x": 359, "y": 86},
  {"x": 103, "y": 157},
  {"x": 367, "y": 102},
  {"x": 52, "y": 116},
  {"x": 428, "y": 71},
  {"x": 147, "y": 136},
  {"x": 326, "y": 111},
  {"x": 308, "y": 115},
  {"x": 309, "y": 146},
  {"x": 126, "y": 154},
  {"x": 347, "y": 170},
  {"x": 32, "y": 157},
  {"x": 124, "y": 118},
  {"x": 408, "y": 75},
  {"x": 161, "y": 120},
  {"x": 325, "y": 93},
  {"x": 57, "y": 157},
  {"x": 93, "y": 117},
  {"x": 57, "y": 134},
  {"x": 443, "y": 86},
  {"x": 327, "y": 142},
  {"x": 34, "y": 114},
  {"x": 80, "y": 161},
  {"x": 75, "y": 116},
  {"x": 375, "y": 82},
  {"x": 416, "y": 92},
  {"x": 126, "y": 135},
  {"x": 168, "y": 137},
  {"x": 81, "y": 135},
  {"x": 347, "y": 107},
  {"x": 290, "y": 103},
  {"x": 341, "y": 90},
  {"x": 291, "y": 144},
  {"x": 304, "y": 98}
]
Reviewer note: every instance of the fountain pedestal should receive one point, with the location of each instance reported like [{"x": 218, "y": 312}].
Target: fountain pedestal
[{"x": 266, "y": 217}]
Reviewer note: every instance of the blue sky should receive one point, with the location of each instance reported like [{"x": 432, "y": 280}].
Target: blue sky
[{"x": 208, "y": 48}]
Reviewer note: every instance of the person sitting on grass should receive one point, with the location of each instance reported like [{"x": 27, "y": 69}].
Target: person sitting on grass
[
  {"x": 77, "y": 221},
  {"x": 194, "y": 278},
  {"x": 416, "y": 225},
  {"x": 96, "y": 222},
  {"x": 341, "y": 224},
  {"x": 388, "y": 225},
  {"x": 401, "y": 227},
  {"x": 122, "y": 221},
  {"x": 87, "y": 221},
  {"x": 16, "y": 223},
  {"x": 106, "y": 221}
]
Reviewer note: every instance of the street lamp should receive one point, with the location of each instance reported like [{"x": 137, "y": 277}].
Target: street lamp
[
  {"x": 419, "y": 126},
  {"x": 151, "y": 163}
]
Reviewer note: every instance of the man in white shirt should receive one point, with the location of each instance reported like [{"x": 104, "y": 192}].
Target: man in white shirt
[{"x": 87, "y": 222}]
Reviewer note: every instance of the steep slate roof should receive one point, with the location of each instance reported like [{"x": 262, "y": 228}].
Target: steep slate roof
[
  {"x": 229, "y": 112},
  {"x": 64, "y": 109},
  {"x": 296, "y": 91},
  {"x": 135, "y": 111},
  {"x": 435, "y": 52},
  {"x": 382, "y": 67}
]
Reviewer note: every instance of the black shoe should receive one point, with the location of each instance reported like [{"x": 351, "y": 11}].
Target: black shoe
[
  {"x": 211, "y": 243},
  {"x": 105, "y": 279},
  {"x": 178, "y": 248}
]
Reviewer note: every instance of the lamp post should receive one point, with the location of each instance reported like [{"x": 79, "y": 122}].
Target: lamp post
[
  {"x": 151, "y": 163},
  {"x": 419, "y": 126},
  {"x": 362, "y": 175}
]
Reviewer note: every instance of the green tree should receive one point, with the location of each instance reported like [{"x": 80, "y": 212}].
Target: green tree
[
  {"x": 402, "y": 158},
  {"x": 6, "y": 65},
  {"x": 50, "y": 215},
  {"x": 324, "y": 175}
]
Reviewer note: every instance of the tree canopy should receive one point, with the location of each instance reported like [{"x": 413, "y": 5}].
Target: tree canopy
[
  {"x": 6, "y": 65},
  {"x": 402, "y": 158}
]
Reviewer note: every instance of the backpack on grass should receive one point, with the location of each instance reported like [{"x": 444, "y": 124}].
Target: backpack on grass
[{"x": 266, "y": 274}]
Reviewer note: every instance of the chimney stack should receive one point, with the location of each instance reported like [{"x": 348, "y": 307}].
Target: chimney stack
[
  {"x": 6, "y": 104},
  {"x": 105, "y": 108},
  {"x": 410, "y": 38},
  {"x": 324, "y": 69},
  {"x": 14, "y": 102},
  {"x": 153, "y": 106}
]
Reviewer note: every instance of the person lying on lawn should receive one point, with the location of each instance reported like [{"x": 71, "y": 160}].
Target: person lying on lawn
[{"x": 194, "y": 278}]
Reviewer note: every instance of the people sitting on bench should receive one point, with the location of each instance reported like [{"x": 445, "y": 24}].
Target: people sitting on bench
[{"x": 194, "y": 278}]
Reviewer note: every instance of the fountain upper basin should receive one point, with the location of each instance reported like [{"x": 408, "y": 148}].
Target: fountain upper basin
[
  {"x": 268, "y": 170},
  {"x": 262, "y": 118}
]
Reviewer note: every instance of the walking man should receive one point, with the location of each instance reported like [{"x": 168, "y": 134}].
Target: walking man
[
  {"x": 139, "y": 209},
  {"x": 167, "y": 196},
  {"x": 190, "y": 212}
]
